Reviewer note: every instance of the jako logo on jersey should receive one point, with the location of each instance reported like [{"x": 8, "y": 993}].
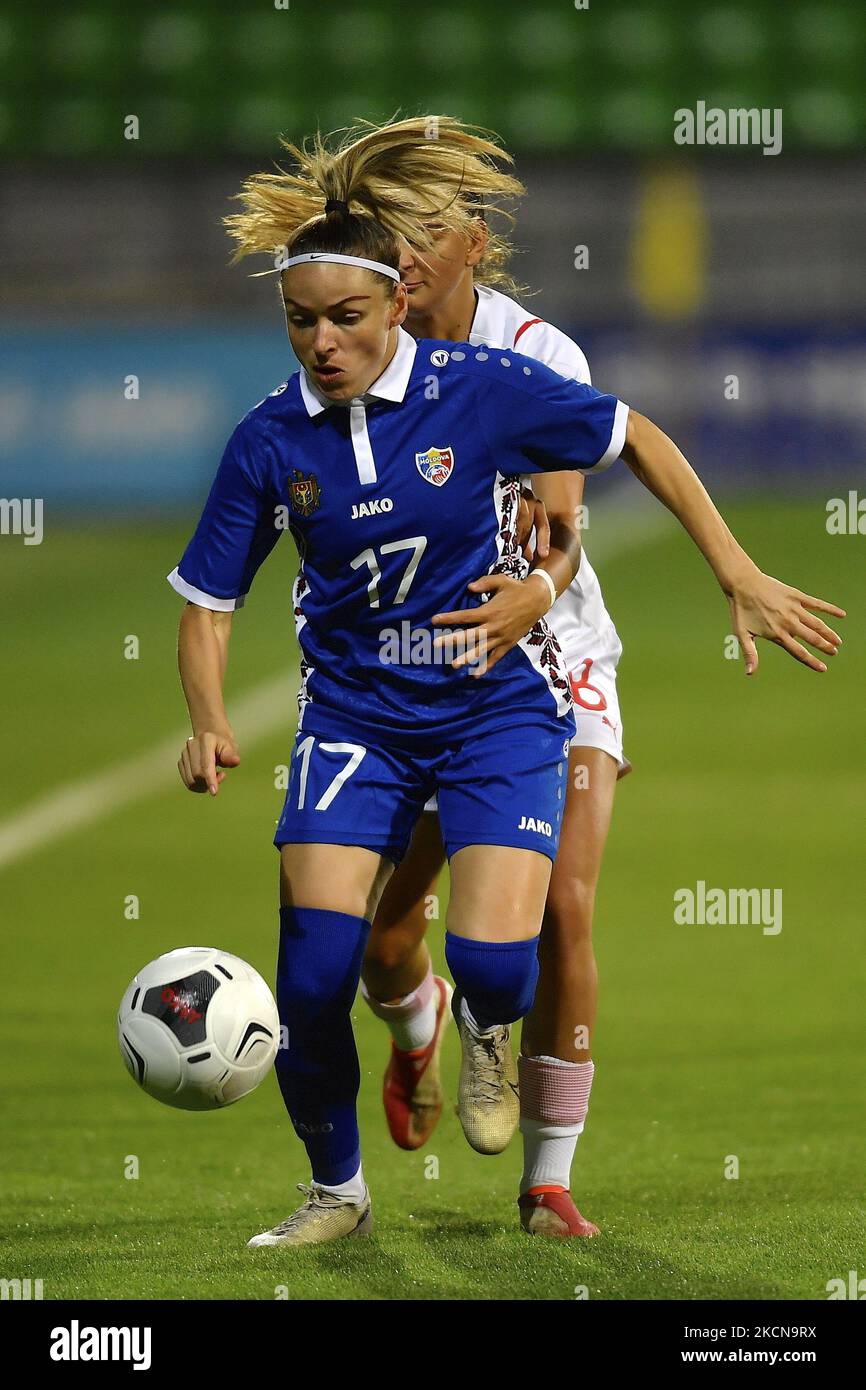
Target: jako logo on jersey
[
  {"x": 543, "y": 827},
  {"x": 374, "y": 508},
  {"x": 439, "y": 357},
  {"x": 435, "y": 465},
  {"x": 304, "y": 492}
]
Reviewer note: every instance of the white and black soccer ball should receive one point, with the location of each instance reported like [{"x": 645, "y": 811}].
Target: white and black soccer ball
[{"x": 198, "y": 1028}]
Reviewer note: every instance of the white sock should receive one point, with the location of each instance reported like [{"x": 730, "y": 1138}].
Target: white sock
[
  {"x": 352, "y": 1191},
  {"x": 554, "y": 1101},
  {"x": 411, "y": 1020},
  {"x": 548, "y": 1153}
]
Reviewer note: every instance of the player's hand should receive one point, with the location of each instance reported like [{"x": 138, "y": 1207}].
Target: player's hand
[
  {"x": 765, "y": 607},
  {"x": 203, "y": 760},
  {"x": 489, "y": 632},
  {"x": 531, "y": 512}
]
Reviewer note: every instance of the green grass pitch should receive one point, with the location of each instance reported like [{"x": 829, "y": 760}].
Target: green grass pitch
[{"x": 712, "y": 1040}]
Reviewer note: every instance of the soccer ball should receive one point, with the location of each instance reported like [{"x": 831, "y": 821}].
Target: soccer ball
[{"x": 198, "y": 1028}]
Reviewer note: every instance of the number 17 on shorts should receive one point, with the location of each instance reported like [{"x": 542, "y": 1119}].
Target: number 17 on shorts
[{"x": 345, "y": 793}]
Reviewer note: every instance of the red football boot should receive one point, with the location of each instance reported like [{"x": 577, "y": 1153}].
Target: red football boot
[
  {"x": 412, "y": 1091},
  {"x": 550, "y": 1211}
]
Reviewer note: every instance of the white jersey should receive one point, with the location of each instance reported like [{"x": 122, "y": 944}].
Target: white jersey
[{"x": 582, "y": 624}]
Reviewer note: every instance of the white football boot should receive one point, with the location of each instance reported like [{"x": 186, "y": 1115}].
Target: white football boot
[
  {"x": 322, "y": 1217},
  {"x": 488, "y": 1100}
]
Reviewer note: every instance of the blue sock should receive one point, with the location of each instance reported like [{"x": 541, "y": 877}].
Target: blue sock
[
  {"x": 496, "y": 978},
  {"x": 318, "y": 970}
]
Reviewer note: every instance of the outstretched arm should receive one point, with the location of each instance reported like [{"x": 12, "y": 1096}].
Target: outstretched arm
[
  {"x": 760, "y": 605},
  {"x": 202, "y": 655}
]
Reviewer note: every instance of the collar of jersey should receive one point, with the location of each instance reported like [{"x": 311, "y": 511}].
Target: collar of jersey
[
  {"x": 488, "y": 323},
  {"x": 390, "y": 386}
]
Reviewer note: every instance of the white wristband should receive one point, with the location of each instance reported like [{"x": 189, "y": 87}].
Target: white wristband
[{"x": 542, "y": 574}]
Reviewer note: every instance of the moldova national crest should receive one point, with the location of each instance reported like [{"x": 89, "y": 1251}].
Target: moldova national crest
[
  {"x": 304, "y": 492},
  {"x": 435, "y": 465}
]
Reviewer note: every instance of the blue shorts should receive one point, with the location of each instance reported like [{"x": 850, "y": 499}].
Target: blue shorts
[{"x": 503, "y": 787}]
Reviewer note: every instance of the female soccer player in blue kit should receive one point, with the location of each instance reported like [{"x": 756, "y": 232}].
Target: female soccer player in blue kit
[{"x": 396, "y": 466}]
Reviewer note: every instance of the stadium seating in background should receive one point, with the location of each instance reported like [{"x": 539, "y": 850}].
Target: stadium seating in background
[{"x": 207, "y": 79}]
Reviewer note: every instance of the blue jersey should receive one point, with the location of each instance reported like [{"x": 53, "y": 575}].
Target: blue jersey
[{"x": 397, "y": 501}]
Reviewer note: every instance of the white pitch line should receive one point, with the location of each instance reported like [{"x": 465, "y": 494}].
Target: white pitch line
[{"x": 254, "y": 716}]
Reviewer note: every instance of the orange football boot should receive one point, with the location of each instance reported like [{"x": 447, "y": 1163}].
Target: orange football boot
[
  {"x": 412, "y": 1091},
  {"x": 550, "y": 1211}
]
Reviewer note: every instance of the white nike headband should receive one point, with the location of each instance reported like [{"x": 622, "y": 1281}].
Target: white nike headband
[{"x": 342, "y": 260}]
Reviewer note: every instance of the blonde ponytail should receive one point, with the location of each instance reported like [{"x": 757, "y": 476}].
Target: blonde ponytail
[{"x": 395, "y": 178}]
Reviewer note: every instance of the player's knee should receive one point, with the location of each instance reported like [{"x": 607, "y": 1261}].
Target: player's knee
[
  {"x": 497, "y": 978},
  {"x": 388, "y": 950}
]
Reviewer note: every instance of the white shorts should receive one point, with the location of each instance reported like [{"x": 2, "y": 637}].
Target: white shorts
[{"x": 592, "y": 649}]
